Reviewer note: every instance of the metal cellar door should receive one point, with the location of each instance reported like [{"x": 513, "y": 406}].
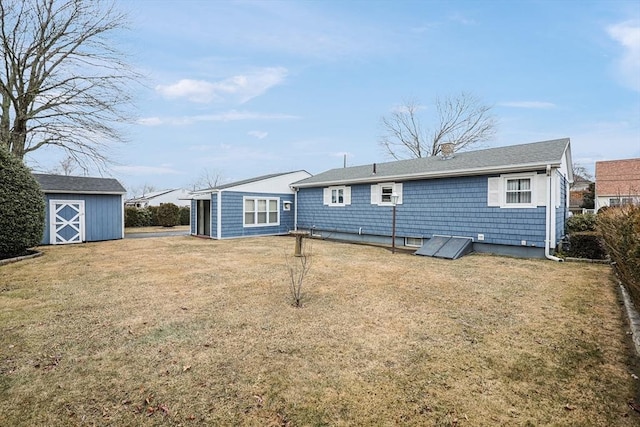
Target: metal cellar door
[{"x": 67, "y": 221}]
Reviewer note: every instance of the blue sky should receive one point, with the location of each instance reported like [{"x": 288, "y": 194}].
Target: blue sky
[{"x": 246, "y": 88}]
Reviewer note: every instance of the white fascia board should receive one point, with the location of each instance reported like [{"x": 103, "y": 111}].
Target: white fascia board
[
  {"x": 202, "y": 195},
  {"x": 276, "y": 184},
  {"x": 432, "y": 175}
]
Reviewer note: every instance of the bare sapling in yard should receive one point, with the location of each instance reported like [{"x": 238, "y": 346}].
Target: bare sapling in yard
[{"x": 298, "y": 266}]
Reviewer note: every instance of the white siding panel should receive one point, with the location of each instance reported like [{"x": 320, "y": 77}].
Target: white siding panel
[
  {"x": 347, "y": 195},
  {"x": 540, "y": 188},
  {"x": 326, "y": 196},
  {"x": 375, "y": 194}
]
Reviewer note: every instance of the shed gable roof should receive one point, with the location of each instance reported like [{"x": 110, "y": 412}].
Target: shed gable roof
[
  {"x": 493, "y": 160},
  {"x": 618, "y": 177},
  {"x": 78, "y": 184}
]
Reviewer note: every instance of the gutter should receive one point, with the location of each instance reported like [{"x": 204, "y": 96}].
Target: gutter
[{"x": 549, "y": 218}]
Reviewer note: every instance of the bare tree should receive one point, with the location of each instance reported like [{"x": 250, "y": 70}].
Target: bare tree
[
  {"x": 298, "y": 267},
  {"x": 462, "y": 120},
  {"x": 141, "y": 190},
  {"x": 581, "y": 170},
  {"x": 208, "y": 178},
  {"x": 66, "y": 166},
  {"x": 63, "y": 82}
]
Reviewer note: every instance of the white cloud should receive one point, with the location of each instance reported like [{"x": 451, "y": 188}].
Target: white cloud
[
  {"x": 528, "y": 104},
  {"x": 628, "y": 66},
  {"x": 229, "y": 116},
  {"x": 138, "y": 170},
  {"x": 258, "y": 134},
  {"x": 193, "y": 90},
  {"x": 150, "y": 121},
  {"x": 240, "y": 88}
]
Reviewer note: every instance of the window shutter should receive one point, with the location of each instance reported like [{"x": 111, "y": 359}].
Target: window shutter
[
  {"x": 347, "y": 195},
  {"x": 397, "y": 188},
  {"x": 494, "y": 192},
  {"x": 540, "y": 188},
  {"x": 326, "y": 197},
  {"x": 375, "y": 194}
]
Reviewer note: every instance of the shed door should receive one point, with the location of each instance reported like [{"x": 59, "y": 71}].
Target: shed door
[{"x": 67, "y": 221}]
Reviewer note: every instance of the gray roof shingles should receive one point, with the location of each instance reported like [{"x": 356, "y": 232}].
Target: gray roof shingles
[
  {"x": 245, "y": 181},
  {"x": 78, "y": 184},
  {"x": 509, "y": 158}
]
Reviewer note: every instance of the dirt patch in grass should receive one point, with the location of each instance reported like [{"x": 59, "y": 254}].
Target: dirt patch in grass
[{"x": 190, "y": 331}]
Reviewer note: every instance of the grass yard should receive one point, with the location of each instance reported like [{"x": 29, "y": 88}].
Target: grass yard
[
  {"x": 156, "y": 229},
  {"x": 187, "y": 331}
]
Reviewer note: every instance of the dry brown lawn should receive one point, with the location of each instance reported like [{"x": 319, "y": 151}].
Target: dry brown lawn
[{"x": 186, "y": 331}]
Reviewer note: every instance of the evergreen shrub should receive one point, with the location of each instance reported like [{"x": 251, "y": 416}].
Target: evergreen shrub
[
  {"x": 168, "y": 215},
  {"x": 22, "y": 207}
]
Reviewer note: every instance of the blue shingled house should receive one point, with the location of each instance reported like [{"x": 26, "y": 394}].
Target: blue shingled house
[
  {"x": 81, "y": 209},
  {"x": 258, "y": 206},
  {"x": 509, "y": 200}
]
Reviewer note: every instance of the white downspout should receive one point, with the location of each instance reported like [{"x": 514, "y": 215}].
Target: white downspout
[
  {"x": 219, "y": 215},
  {"x": 549, "y": 213},
  {"x": 295, "y": 208}
]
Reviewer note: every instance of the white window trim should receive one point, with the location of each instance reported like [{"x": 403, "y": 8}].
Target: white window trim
[
  {"x": 346, "y": 195},
  {"x": 497, "y": 191},
  {"x": 255, "y": 213},
  {"x": 376, "y": 193},
  {"x": 412, "y": 245}
]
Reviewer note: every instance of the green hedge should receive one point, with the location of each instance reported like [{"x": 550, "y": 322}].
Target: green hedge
[
  {"x": 168, "y": 215},
  {"x": 149, "y": 216},
  {"x": 185, "y": 215},
  {"x": 581, "y": 222},
  {"x": 586, "y": 244},
  {"x": 620, "y": 229}
]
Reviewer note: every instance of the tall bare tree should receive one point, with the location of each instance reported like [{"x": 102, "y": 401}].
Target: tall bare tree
[
  {"x": 461, "y": 120},
  {"x": 63, "y": 82},
  {"x": 208, "y": 178}
]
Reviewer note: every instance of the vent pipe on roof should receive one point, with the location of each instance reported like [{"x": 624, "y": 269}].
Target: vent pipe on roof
[{"x": 374, "y": 168}]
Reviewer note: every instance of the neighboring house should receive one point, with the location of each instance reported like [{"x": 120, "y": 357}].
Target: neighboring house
[
  {"x": 81, "y": 209},
  {"x": 179, "y": 197},
  {"x": 617, "y": 183},
  {"x": 510, "y": 200},
  {"x": 252, "y": 207},
  {"x": 576, "y": 193}
]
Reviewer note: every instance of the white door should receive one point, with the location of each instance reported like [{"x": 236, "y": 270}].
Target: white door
[{"x": 67, "y": 221}]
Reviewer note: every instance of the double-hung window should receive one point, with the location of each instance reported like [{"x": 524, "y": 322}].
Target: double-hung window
[
  {"x": 381, "y": 194},
  {"x": 518, "y": 191},
  {"x": 261, "y": 212},
  {"x": 337, "y": 195}
]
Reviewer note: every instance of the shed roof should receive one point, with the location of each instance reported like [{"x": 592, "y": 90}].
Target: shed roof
[
  {"x": 493, "y": 160},
  {"x": 78, "y": 184},
  {"x": 618, "y": 177}
]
